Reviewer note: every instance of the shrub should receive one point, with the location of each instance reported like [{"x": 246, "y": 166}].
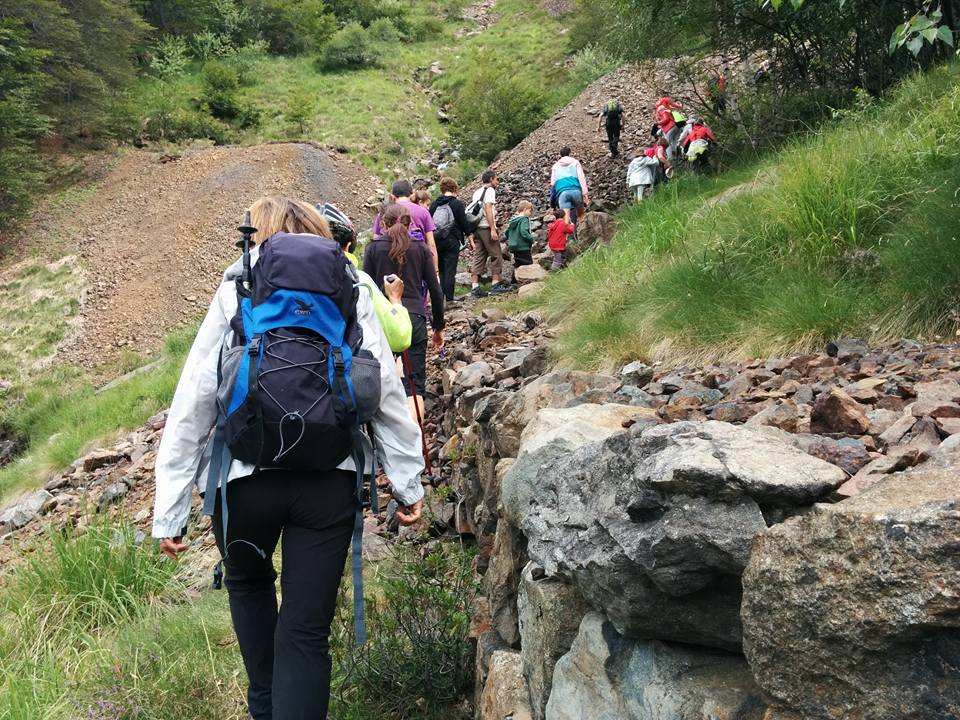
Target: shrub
[
  {"x": 220, "y": 85},
  {"x": 350, "y": 49},
  {"x": 244, "y": 60},
  {"x": 383, "y": 30},
  {"x": 424, "y": 27},
  {"x": 170, "y": 57},
  {"x": 593, "y": 62},
  {"x": 208, "y": 45},
  {"x": 494, "y": 110},
  {"x": 418, "y": 650},
  {"x": 293, "y": 26},
  {"x": 300, "y": 111}
]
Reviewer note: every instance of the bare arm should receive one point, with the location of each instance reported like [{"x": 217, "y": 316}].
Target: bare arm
[{"x": 491, "y": 221}]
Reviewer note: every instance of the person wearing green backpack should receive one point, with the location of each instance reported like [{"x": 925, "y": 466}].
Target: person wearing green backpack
[{"x": 519, "y": 235}]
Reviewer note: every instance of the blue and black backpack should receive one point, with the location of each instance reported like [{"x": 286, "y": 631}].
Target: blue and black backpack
[{"x": 295, "y": 387}]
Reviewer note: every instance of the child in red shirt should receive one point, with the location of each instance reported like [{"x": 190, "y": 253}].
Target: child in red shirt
[{"x": 557, "y": 240}]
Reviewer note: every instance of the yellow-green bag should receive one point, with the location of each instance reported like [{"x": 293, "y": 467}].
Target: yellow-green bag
[{"x": 394, "y": 319}]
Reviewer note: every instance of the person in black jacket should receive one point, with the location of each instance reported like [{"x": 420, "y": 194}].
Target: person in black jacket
[
  {"x": 450, "y": 238},
  {"x": 396, "y": 253}
]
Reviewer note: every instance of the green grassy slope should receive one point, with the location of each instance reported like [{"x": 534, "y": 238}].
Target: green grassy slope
[{"x": 852, "y": 231}]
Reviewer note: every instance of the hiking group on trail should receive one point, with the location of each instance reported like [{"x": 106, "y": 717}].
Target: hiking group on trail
[{"x": 303, "y": 391}]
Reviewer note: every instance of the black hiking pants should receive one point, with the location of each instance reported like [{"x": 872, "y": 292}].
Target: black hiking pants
[
  {"x": 613, "y": 137},
  {"x": 286, "y": 653},
  {"x": 448, "y": 250}
]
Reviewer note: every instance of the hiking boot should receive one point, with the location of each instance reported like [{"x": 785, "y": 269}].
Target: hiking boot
[
  {"x": 479, "y": 292},
  {"x": 500, "y": 288}
]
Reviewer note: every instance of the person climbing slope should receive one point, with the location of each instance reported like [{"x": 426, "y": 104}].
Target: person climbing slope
[
  {"x": 313, "y": 506},
  {"x": 421, "y": 224},
  {"x": 519, "y": 235},
  {"x": 648, "y": 169},
  {"x": 396, "y": 253},
  {"x": 612, "y": 116},
  {"x": 557, "y": 235},
  {"x": 670, "y": 121},
  {"x": 697, "y": 142},
  {"x": 449, "y": 216},
  {"x": 569, "y": 184},
  {"x": 388, "y": 305}
]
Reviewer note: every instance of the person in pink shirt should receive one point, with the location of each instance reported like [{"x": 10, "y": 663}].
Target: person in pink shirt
[{"x": 421, "y": 222}]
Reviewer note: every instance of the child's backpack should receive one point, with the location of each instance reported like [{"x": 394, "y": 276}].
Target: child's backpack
[{"x": 445, "y": 222}]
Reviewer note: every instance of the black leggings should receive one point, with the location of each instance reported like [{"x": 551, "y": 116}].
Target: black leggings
[
  {"x": 613, "y": 137},
  {"x": 287, "y": 652},
  {"x": 449, "y": 252},
  {"x": 417, "y": 358}
]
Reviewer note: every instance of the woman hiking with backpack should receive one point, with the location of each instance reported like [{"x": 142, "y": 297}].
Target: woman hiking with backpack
[
  {"x": 396, "y": 253},
  {"x": 315, "y": 511}
]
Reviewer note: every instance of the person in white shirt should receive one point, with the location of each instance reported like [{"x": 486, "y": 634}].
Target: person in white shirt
[
  {"x": 285, "y": 651},
  {"x": 485, "y": 243}
]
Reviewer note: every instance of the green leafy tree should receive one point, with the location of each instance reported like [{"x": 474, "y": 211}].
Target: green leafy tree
[
  {"x": 291, "y": 27},
  {"x": 300, "y": 111},
  {"x": 21, "y": 82},
  {"x": 220, "y": 86},
  {"x": 495, "y": 110},
  {"x": 90, "y": 54},
  {"x": 350, "y": 49}
]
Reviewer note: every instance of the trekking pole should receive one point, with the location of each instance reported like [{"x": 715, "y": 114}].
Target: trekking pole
[
  {"x": 246, "y": 231},
  {"x": 408, "y": 368}
]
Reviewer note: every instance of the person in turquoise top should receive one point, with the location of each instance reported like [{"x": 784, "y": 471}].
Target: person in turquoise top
[{"x": 393, "y": 316}]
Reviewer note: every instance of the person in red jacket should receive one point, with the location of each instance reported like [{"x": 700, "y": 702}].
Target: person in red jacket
[
  {"x": 670, "y": 120},
  {"x": 557, "y": 240},
  {"x": 696, "y": 144}
]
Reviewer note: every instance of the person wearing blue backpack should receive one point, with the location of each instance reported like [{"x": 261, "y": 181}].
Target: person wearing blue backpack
[{"x": 288, "y": 368}]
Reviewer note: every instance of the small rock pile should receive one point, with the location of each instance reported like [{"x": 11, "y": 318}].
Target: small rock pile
[{"x": 117, "y": 480}]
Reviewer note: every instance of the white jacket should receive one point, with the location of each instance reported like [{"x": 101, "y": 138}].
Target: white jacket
[{"x": 183, "y": 456}]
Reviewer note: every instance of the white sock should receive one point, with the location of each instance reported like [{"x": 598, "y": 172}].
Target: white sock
[{"x": 475, "y": 286}]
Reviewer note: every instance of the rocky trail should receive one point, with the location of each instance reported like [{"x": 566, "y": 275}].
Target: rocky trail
[
  {"x": 158, "y": 232},
  {"x": 622, "y": 520},
  {"x": 524, "y": 171}
]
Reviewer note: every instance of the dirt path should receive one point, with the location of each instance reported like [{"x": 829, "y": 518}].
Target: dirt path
[{"x": 159, "y": 232}]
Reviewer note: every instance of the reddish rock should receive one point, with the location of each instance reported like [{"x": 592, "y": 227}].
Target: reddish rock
[
  {"x": 949, "y": 425},
  {"x": 891, "y": 402},
  {"x": 848, "y": 454},
  {"x": 863, "y": 395},
  {"x": 938, "y": 390},
  {"x": 836, "y": 412},
  {"x": 872, "y": 472},
  {"x": 735, "y": 412},
  {"x": 785, "y": 416},
  {"x": 935, "y": 409},
  {"x": 895, "y": 432}
]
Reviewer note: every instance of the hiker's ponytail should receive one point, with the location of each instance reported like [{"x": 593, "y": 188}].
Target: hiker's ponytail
[{"x": 396, "y": 220}]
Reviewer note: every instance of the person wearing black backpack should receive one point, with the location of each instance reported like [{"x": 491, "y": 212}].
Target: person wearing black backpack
[
  {"x": 293, "y": 297},
  {"x": 450, "y": 216}
]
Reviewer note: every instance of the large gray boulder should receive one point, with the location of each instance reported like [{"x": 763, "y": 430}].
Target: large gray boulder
[
  {"x": 24, "y": 509},
  {"x": 554, "y": 433},
  {"x": 654, "y": 525},
  {"x": 608, "y": 677},
  {"x": 853, "y": 610},
  {"x": 550, "y": 614},
  {"x": 561, "y": 388}
]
